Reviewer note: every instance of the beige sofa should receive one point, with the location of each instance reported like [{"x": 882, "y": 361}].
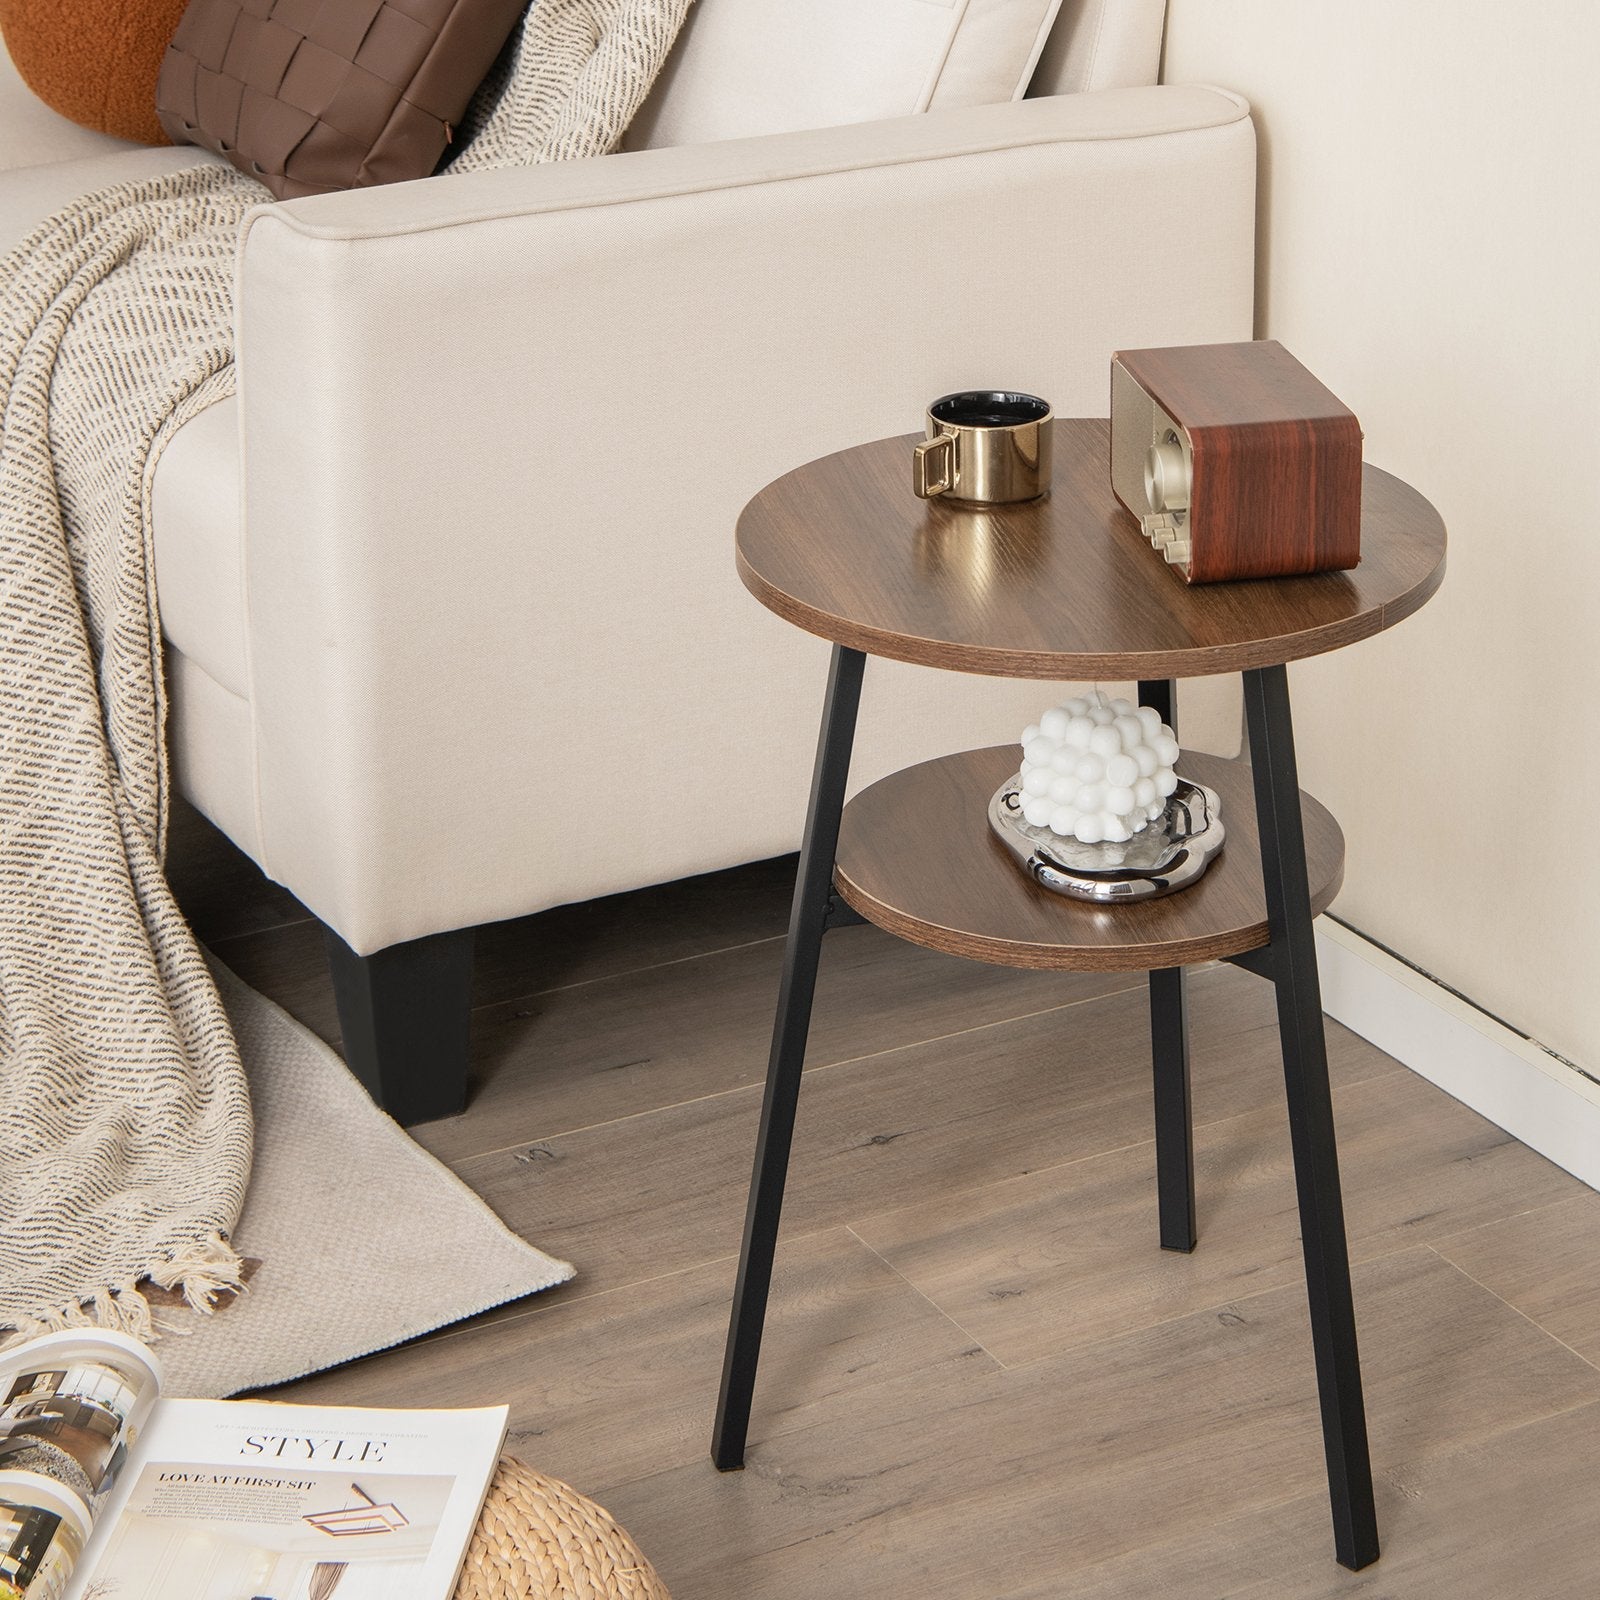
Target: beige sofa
[{"x": 454, "y": 630}]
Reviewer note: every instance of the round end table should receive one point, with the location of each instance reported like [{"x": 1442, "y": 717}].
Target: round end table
[{"x": 1068, "y": 588}]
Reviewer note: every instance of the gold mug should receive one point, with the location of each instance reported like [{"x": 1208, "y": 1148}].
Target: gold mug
[{"x": 984, "y": 447}]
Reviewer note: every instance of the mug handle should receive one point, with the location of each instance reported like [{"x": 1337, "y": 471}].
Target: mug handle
[{"x": 922, "y": 474}]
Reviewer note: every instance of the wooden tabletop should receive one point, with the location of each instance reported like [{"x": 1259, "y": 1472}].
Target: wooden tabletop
[
  {"x": 917, "y": 857},
  {"x": 1065, "y": 587}
]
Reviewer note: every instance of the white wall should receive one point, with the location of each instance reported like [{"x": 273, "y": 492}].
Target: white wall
[{"x": 1430, "y": 171}]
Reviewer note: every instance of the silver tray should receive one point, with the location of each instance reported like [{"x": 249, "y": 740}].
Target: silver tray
[{"x": 1162, "y": 858}]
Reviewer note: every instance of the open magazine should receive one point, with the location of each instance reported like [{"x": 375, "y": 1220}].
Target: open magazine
[{"x": 108, "y": 1492}]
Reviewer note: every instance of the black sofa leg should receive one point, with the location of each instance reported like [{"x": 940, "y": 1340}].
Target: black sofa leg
[{"x": 403, "y": 1012}]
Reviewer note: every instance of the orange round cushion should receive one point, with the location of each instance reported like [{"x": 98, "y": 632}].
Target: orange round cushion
[{"x": 94, "y": 61}]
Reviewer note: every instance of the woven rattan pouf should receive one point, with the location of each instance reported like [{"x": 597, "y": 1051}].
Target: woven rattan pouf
[{"x": 538, "y": 1539}]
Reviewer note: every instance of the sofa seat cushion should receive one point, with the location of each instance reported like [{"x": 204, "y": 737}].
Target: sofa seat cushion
[
  {"x": 30, "y": 194},
  {"x": 197, "y": 519},
  {"x": 747, "y": 67}
]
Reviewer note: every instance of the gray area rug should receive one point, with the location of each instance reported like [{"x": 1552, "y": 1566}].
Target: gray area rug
[{"x": 365, "y": 1240}]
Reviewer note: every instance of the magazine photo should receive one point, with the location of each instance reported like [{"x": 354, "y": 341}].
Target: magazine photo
[{"x": 108, "y": 1491}]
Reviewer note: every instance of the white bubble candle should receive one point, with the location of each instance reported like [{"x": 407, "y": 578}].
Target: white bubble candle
[{"x": 1096, "y": 769}]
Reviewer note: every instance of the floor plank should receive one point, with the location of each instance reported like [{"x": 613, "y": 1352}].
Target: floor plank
[
  {"x": 576, "y": 1056},
  {"x": 1061, "y": 1257},
  {"x": 1028, "y": 1476},
  {"x": 619, "y": 1385},
  {"x": 1546, "y": 1263},
  {"x": 659, "y": 1192},
  {"x": 1510, "y": 1516}
]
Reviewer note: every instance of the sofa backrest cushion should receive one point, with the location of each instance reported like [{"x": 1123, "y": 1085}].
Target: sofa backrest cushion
[
  {"x": 1102, "y": 44},
  {"x": 744, "y": 67}
]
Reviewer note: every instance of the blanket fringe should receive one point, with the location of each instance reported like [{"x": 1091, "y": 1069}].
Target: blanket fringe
[{"x": 208, "y": 1268}]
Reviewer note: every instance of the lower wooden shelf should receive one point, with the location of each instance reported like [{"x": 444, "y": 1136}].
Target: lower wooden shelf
[{"x": 917, "y": 858}]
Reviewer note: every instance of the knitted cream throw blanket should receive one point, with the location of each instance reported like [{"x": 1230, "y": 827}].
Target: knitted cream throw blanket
[{"x": 125, "y": 1131}]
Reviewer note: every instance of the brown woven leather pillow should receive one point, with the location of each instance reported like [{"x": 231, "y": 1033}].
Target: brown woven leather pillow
[{"x": 315, "y": 95}]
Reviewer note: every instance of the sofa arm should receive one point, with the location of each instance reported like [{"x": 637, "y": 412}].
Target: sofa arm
[{"x": 497, "y": 429}]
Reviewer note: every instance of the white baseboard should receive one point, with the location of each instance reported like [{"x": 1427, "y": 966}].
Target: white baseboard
[{"x": 1514, "y": 1082}]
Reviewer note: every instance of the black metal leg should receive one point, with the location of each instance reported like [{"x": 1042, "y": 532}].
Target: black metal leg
[
  {"x": 1162, "y": 693},
  {"x": 1169, "y": 1048},
  {"x": 808, "y": 918},
  {"x": 403, "y": 1015},
  {"x": 1293, "y": 966},
  {"x": 1169, "y": 1039}
]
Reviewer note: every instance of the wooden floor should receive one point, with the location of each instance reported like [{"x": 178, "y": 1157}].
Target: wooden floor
[{"x": 982, "y": 1377}]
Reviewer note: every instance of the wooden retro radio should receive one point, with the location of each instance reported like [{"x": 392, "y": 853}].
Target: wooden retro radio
[{"x": 1237, "y": 462}]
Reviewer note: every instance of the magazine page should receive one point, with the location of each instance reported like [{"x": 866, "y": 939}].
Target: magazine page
[
  {"x": 254, "y": 1500},
  {"x": 73, "y": 1407}
]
